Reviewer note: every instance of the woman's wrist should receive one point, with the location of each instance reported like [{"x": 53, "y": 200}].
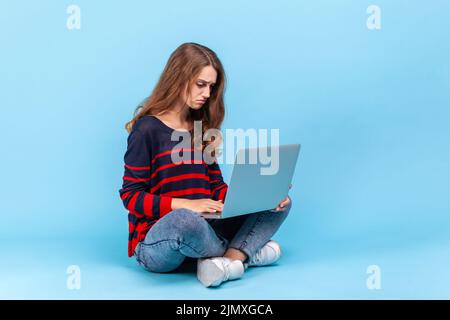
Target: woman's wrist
[{"x": 178, "y": 203}]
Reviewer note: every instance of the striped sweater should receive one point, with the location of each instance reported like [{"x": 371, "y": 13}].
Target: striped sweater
[{"x": 151, "y": 179}]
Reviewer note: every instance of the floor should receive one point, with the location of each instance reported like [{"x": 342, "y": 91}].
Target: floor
[{"x": 39, "y": 270}]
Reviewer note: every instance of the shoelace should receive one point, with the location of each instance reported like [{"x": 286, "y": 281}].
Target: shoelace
[
  {"x": 226, "y": 267},
  {"x": 259, "y": 257}
]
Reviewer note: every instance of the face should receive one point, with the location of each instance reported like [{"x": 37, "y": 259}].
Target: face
[{"x": 201, "y": 89}]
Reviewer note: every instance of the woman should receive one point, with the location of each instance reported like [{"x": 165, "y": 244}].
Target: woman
[{"x": 164, "y": 198}]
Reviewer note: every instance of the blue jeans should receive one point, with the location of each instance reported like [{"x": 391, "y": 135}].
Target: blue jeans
[{"x": 184, "y": 233}]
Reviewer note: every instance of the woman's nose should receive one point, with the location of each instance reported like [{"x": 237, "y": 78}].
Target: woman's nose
[{"x": 206, "y": 94}]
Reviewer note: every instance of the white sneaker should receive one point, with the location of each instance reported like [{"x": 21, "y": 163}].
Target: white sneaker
[
  {"x": 213, "y": 271},
  {"x": 268, "y": 254}
]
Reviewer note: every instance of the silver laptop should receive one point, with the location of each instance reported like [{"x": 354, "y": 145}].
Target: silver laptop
[{"x": 258, "y": 186}]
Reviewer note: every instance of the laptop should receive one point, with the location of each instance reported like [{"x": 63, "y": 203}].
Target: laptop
[{"x": 258, "y": 186}]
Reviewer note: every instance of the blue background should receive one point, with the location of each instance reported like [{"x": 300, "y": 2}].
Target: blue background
[{"x": 370, "y": 108}]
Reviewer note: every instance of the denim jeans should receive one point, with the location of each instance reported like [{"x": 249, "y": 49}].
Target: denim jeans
[{"x": 184, "y": 233}]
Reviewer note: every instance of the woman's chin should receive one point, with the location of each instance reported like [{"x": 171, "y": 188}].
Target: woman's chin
[{"x": 196, "y": 106}]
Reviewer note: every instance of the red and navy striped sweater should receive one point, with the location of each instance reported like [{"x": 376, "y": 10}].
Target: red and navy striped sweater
[{"x": 152, "y": 179}]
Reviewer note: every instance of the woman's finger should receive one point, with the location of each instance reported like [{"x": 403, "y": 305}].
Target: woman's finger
[
  {"x": 217, "y": 206},
  {"x": 215, "y": 203},
  {"x": 285, "y": 202},
  {"x": 213, "y": 206}
]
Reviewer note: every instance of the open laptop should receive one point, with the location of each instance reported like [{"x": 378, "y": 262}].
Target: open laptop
[{"x": 258, "y": 186}]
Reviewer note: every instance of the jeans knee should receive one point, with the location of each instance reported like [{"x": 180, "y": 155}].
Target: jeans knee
[
  {"x": 150, "y": 260},
  {"x": 187, "y": 223},
  {"x": 186, "y": 216},
  {"x": 182, "y": 211}
]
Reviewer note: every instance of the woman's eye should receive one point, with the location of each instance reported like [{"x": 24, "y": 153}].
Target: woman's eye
[{"x": 201, "y": 85}]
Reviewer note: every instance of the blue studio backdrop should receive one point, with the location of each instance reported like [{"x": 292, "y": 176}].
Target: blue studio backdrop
[{"x": 363, "y": 86}]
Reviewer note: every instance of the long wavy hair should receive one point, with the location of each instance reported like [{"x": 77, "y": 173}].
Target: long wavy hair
[{"x": 182, "y": 68}]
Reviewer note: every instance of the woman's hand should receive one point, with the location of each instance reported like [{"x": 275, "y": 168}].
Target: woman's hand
[
  {"x": 285, "y": 202},
  {"x": 200, "y": 205}
]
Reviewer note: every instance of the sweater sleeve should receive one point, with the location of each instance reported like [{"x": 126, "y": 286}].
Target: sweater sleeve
[
  {"x": 218, "y": 187},
  {"x": 136, "y": 180}
]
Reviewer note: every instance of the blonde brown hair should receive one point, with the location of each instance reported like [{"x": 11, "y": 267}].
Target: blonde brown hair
[{"x": 182, "y": 68}]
